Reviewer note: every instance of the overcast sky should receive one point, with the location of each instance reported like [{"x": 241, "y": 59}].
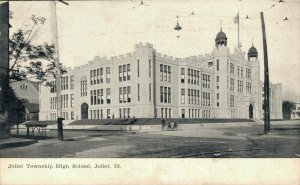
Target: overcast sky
[{"x": 108, "y": 28}]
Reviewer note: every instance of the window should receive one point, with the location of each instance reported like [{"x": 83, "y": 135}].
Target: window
[
  {"x": 231, "y": 68},
  {"x": 169, "y": 94},
  {"x": 150, "y": 92},
  {"x": 72, "y": 82},
  {"x": 72, "y": 100},
  {"x": 248, "y": 87},
  {"x": 124, "y": 72},
  {"x": 161, "y": 72},
  {"x": 189, "y": 96},
  {"x": 182, "y": 96},
  {"x": 189, "y": 75},
  {"x": 218, "y": 67},
  {"x": 248, "y": 73},
  {"x": 231, "y": 84},
  {"x": 238, "y": 70},
  {"x": 150, "y": 68},
  {"x": 64, "y": 83},
  {"x": 97, "y": 77},
  {"x": 72, "y": 115},
  {"x": 120, "y": 74},
  {"x": 138, "y": 68},
  {"x": 182, "y": 113},
  {"x": 83, "y": 87},
  {"x": 108, "y": 95},
  {"x": 128, "y": 94},
  {"x": 128, "y": 112},
  {"x": 198, "y": 77},
  {"x": 120, "y": 95},
  {"x": 218, "y": 78},
  {"x": 169, "y": 73},
  {"x": 92, "y": 97},
  {"x": 210, "y": 64},
  {"x": 231, "y": 100},
  {"x": 165, "y": 94},
  {"x": 108, "y": 113},
  {"x": 138, "y": 92},
  {"x": 182, "y": 75},
  {"x": 242, "y": 72},
  {"x": 101, "y": 76},
  {"x": 165, "y": 73},
  {"x": 107, "y": 74},
  {"x": 240, "y": 86},
  {"x": 124, "y": 95},
  {"x": 128, "y": 72},
  {"x": 161, "y": 94}
]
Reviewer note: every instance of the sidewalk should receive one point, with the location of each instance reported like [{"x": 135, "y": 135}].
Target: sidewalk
[{"x": 15, "y": 142}]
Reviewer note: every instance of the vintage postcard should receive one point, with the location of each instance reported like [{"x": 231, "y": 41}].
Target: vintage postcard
[{"x": 150, "y": 92}]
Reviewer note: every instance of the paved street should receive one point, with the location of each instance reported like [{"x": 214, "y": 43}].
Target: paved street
[{"x": 218, "y": 141}]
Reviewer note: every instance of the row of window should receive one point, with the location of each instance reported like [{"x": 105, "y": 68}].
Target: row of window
[
  {"x": 206, "y": 99},
  {"x": 240, "y": 71},
  {"x": 206, "y": 81},
  {"x": 65, "y": 115},
  {"x": 193, "y": 96},
  {"x": 165, "y": 73},
  {"x": 240, "y": 86},
  {"x": 96, "y": 76},
  {"x": 166, "y": 112},
  {"x": 193, "y": 77},
  {"x": 64, "y": 84},
  {"x": 125, "y": 94},
  {"x": 83, "y": 87},
  {"x": 98, "y": 114},
  {"x": 97, "y": 96},
  {"x": 124, "y": 72},
  {"x": 64, "y": 101},
  {"x": 165, "y": 94},
  {"x": 195, "y": 113},
  {"x": 231, "y": 101},
  {"x": 124, "y": 113}
]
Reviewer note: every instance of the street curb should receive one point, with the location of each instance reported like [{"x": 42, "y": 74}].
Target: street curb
[{"x": 17, "y": 144}]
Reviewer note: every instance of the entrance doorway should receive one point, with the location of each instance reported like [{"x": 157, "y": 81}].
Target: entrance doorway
[
  {"x": 84, "y": 111},
  {"x": 250, "y": 111}
]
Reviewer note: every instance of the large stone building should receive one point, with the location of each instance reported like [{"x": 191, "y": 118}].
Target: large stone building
[{"x": 147, "y": 84}]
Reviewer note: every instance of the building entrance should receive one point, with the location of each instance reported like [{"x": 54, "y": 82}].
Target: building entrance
[
  {"x": 250, "y": 111},
  {"x": 84, "y": 111}
]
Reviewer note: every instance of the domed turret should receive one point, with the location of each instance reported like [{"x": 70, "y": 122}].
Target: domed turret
[
  {"x": 221, "y": 39},
  {"x": 252, "y": 53}
]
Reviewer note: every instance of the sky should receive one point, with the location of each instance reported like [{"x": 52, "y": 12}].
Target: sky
[{"x": 109, "y": 28}]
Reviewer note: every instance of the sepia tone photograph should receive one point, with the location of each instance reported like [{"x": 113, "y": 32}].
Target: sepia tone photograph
[{"x": 149, "y": 79}]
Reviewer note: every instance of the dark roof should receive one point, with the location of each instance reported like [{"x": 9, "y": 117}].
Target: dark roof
[
  {"x": 220, "y": 35},
  {"x": 32, "y": 107},
  {"x": 252, "y": 50}
]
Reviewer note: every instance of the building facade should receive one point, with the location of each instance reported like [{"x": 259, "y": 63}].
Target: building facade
[{"x": 148, "y": 84}]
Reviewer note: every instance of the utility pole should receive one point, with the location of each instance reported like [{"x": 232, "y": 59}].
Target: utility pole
[
  {"x": 58, "y": 70},
  {"x": 266, "y": 79}
]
